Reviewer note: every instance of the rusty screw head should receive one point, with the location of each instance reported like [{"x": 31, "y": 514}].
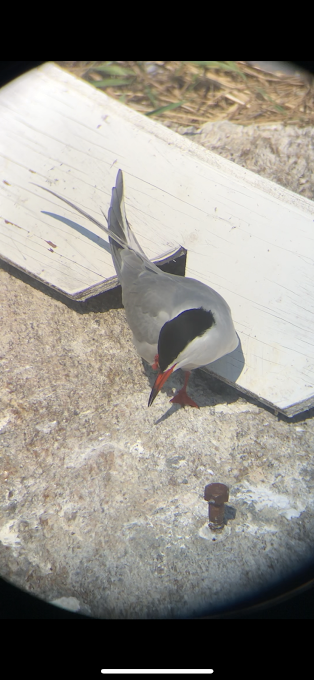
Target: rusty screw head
[{"x": 216, "y": 495}]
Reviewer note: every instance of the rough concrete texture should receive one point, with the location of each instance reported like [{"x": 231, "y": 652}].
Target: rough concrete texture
[
  {"x": 102, "y": 508},
  {"x": 282, "y": 154}
]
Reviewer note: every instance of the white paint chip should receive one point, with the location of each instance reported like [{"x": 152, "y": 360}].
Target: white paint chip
[
  {"x": 137, "y": 448},
  {"x": 9, "y": 535},
  {"x": 4, "y": 421},
  {"x": 264, "y": 497},
  {"x": 70, "y": 603}
]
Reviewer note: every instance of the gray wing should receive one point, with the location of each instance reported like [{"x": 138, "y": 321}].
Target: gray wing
[
  {"x": 155, "y": 297},
  {"x": 148, "y": 304}
]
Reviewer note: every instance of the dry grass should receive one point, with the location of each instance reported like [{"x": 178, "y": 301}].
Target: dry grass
[{"x": 193, "y": 93}]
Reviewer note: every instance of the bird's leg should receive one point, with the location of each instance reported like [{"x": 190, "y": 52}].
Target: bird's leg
[
  {"x": 182, "y": 397},
  {"x": 155, "y": 365}
]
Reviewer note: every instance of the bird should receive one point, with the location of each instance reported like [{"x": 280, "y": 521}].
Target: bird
[{"x": 176, "y": 321}]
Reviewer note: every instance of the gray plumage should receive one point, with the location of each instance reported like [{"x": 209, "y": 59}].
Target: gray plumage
[{"x": 152, "y": 297}]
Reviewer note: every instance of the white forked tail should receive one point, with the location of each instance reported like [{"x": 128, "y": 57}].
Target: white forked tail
[{"x": 119, "y": 226}]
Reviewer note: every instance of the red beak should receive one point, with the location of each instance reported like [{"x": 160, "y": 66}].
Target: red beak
[{"x": 158, "y": 384}]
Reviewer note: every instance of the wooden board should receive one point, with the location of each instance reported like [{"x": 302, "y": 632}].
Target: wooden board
[
  {"x": 52, "y": 135},
  {"x": 246, "y": 237}
]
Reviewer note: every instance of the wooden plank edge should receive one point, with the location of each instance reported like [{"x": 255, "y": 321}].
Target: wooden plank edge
[
  {"x": 97, "y": 288},
  {"x": 295, "y": 409},
  {"x": 113, "y": 282}
]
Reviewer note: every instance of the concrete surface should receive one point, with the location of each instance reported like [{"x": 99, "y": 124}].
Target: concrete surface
[
  {"x": 102, "y": 506},
  {"x": 283, "y": 154}
]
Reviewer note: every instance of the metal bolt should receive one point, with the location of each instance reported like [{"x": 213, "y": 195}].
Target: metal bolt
[{"x": 216, "y": 495}]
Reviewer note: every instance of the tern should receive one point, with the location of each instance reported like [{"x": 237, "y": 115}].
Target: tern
[{"x": 177, "y": 322}]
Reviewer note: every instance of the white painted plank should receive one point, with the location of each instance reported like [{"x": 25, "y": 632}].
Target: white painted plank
[
  {"x": 48, "y": 135},
  {"x": 247, "y": 237}
]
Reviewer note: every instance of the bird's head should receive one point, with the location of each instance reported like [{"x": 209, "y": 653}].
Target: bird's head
[{"x": 177, "y": 344}]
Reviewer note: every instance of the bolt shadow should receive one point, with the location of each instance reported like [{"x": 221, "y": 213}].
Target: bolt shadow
[{"x": 230, "y": 513}]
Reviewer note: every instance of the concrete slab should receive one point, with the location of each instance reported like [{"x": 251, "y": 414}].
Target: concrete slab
[{"x": 102, "y": 498}]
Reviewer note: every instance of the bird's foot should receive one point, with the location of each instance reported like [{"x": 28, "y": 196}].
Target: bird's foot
[{"x": 183, "y": 399}]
